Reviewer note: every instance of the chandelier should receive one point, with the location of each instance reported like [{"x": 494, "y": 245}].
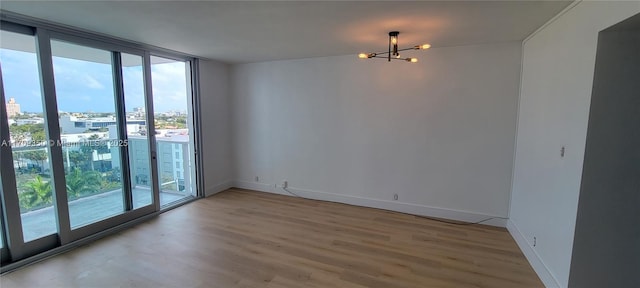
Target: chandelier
[{"x": 394, "y": 53}]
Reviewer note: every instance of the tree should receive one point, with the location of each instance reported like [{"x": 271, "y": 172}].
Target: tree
[
  {"x": 24, "y": 115},
  {"x": 37, "y": 192},
  {"x": 111, "y": 180},
  {"x": 20, "y": 133},
  {"x": 88, "y": 151},
  {"x": 77, "y": 157},
  {"x": 17, "y": 156},
  {"x": 37, "y": 155},
  {"x": 101, "y": 150},
  {"x": 81, "y": 183},
  {"x": 16, "y": 133},
  {"x": 38, "y": 136}
]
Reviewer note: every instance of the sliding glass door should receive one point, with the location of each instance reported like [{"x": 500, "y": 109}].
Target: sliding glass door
[
  {"x": 93, "y": 135},
  {"x": 89, "y": 126},
  {"x": 174, "y": 131},
  {"x": 27, "y": 136},
  {"x": 136, "y": 130}
]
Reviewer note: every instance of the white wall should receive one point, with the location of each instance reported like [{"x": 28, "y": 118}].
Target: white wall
[
  {"x": 557, "y": 76},
  {"x": 439, "y": 133},
  {"x": 216, "y": 150}
]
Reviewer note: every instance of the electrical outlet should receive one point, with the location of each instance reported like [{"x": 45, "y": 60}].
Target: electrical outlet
[
  {"x": 285, "y": 184},
  {"x": 562, "y": 151},
  {"x": 395, "y": 196},
  {"x": 257, "y": 179},
  {"x": 534, "y": 241}
]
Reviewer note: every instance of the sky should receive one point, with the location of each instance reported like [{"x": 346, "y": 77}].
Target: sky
[{"x": 83, "y": 86}]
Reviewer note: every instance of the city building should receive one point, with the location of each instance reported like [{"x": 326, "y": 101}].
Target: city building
[
  {"x": 71, "y": 138},
  {"x": 69, "y": 143},
  {"x": 138, "y": 112},
  {"x": 13, "y": 108},
  {"x": 172, "y": 154},
  {"x": 34, "y": 120},
  {"x": 74, "y": 124}
]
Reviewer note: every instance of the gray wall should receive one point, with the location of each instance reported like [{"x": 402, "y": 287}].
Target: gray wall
[
  {"x": 606, "y": 251},
  {"x": 216, "y": 148}
]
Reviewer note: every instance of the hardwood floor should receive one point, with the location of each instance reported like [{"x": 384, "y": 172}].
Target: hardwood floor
[{"x": 241, "y": 238}]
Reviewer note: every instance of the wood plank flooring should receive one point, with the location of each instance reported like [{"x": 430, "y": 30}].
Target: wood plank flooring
[{"x": 241, "y": 238}]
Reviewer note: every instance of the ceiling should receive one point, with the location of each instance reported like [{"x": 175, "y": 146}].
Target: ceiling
[{"x": 241, "y": 32}]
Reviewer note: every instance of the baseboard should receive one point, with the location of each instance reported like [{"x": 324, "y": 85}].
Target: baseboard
[
  {"x": 376, "y": 203},
  {"x": 263, "y": 187},
  {"x": 215, "y": 189},
  {"x": 532, "y": 256}
]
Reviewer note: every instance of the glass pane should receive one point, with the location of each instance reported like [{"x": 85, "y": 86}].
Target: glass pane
[
  {"x": 171, "y": 98},
  {"x": 86, "y": 109},
  {"x": 27, "y": 134},
  {"x": 132, "y": 75}
]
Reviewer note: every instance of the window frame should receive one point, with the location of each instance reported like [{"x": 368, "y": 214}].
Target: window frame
[{"x": 15, "y": 252}]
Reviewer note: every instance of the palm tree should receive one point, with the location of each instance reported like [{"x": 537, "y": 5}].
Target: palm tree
[
  {"x": 81, "y": 183},
  {"x": 37, "y": 192}
]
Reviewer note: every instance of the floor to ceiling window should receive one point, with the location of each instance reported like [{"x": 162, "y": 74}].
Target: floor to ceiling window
[
  {"x": 87, "y": 116},
  {"x": 27, "y": 135},
  {"x": 80, "y": 153},
  {"x": 139, "y": 162},
  {"x": 174, "y": 133}
]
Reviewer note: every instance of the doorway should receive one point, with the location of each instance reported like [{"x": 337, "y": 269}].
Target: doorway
[{"x": 606, "y": 249}]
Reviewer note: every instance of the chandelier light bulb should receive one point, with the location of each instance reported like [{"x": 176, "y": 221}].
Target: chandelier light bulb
[
  {"x": 363, "y": 56},
  {"x": 425, "y": 46}
]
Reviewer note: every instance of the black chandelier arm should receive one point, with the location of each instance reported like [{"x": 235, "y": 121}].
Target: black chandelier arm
[
  {"x": 392, "y": 58},
  {"x": 386, "y": 52},
  {"x": 405, "y": 49}
]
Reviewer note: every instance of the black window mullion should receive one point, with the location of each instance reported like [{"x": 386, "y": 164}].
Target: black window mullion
[
  {"x": 122, "y": 141},
  {"x": 151, "y": 129},
  {"x": 9, "y": 196},
  {"x": 52, "y": 125}
]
